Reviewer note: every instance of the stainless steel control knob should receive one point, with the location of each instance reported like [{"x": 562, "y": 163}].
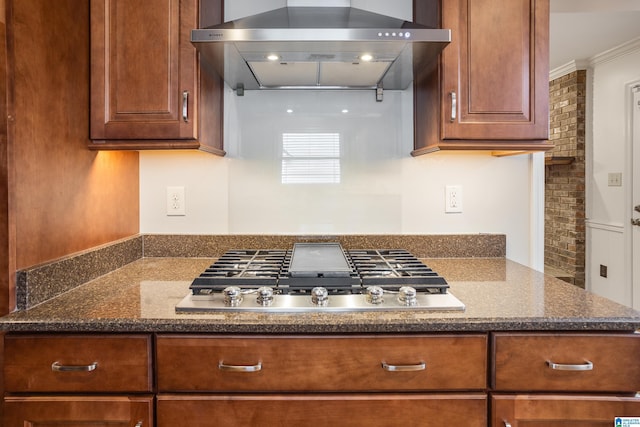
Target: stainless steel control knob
[
  {"x": 232, "y": 296},
  {"x": 265, "y": 296},
  {"x": 375, "y": 295},
  {"x": 320, "y": 296},
  {"x": 407, "y": 296}
]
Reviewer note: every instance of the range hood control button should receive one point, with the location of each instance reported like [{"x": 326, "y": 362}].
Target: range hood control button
[
  {"x": 320, "y": 296},
  {"x": 265, "y": 296},
  {"x": 374, "y": 295},
  {"x": 407, "y": 296},
  {"x": 232, "y": 296}
]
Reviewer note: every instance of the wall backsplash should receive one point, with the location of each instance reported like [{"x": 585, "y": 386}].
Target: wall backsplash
[
  {"x": 319, "y": 162},
  {"x": 381, "y": 188}
]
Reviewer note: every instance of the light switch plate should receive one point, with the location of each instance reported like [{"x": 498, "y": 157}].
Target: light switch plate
[{"x": 615, "y": 179}]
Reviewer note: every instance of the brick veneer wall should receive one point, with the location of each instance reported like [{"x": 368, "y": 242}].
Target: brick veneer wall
[{"x": 565, "y": 183}]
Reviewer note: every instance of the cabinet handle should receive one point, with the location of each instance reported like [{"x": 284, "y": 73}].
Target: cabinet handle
[
  {"x": 454, "y": 106},
  {"x": 185, "y": 106},
  {"x": 57, "y": 367},
  {"x": 404, "y": 368},
  {"x": 587, "y": 366},
  {"x": 239, "y": 368},
  {"x": 138, "y": 424},
  {"x": 506, "y": 424}
]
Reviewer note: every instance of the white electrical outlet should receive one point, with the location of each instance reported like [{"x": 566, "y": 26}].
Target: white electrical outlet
[
  {"x": 453, "y": 199},
  {"x": 175, "y": 201}
]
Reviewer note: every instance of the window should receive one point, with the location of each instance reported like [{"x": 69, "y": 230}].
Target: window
[{"x": 310, "y": 158}]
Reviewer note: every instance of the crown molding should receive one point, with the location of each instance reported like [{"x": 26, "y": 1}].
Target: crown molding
[
  {"x": 623, "y": 49},
  {"x": 568, "y": 68}
]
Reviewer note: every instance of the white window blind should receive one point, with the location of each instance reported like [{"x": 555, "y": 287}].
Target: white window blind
[{"x": 310, "y": 158}]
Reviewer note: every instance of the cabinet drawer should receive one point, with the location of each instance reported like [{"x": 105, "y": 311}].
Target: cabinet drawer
[
  {"x": 78, "y": 411},
  {"x": 328, "y": 410},
  {"x": 77, "y": 363},
  {"x": 552, "y": 410},
  {"x": 567, "y": 362},
  {"x": 337, "y": 363}
]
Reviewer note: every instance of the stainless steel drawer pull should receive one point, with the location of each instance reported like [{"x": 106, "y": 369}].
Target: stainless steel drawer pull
[
  {"x": 57, "y": 367},
  {"x": 586, "y": 366},
  {"x": 239, "y": 368},
  {"x": 185, "y": 106},
  {"x": 404, "y": 368},
  {"x": 454, "y": 107}
]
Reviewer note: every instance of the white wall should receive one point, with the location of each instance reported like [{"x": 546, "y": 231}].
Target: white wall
[
  {"x": 382, "y": 189},
  {"x": 607, "y": 139}
]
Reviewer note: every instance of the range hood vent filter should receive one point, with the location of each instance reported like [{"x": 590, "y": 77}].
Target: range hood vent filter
[
  {"x": 318, "y": 47},
  {"x": 322, "y": 74}
]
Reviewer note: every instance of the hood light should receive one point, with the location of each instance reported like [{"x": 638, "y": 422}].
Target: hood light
[
  {"x": 366, "y": 57},
  {"x": 273, "y": 57}
]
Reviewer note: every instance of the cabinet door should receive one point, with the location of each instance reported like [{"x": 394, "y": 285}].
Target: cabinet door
[
  {"x": 344, "y": 410},
  {"x": 69, "y": 411},
  {"x": 561, "y": 411},
  {"x": 143, "y": 70},
  {"x": 491, "y": 90},
  {"x": 497, "y": 68}
]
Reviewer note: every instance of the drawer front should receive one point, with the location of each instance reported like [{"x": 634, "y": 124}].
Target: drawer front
[
  {"x": 567, "y": 362},
  {"x": 348, "y": 363},
  {"x": 344, "y": 410},
  {"x": 553, "y": 410},
  {"x": 77, "y": 363},
  {"x": 78, "y": 411}
]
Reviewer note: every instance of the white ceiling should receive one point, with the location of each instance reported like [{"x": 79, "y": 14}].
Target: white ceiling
[{"x": 580, "y": 29}]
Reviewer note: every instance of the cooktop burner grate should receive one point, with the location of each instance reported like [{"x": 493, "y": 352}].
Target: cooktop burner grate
[{"x": 318, "y": 265}]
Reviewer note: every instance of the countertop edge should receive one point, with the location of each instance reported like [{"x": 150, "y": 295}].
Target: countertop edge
[{"x": 206, "y": 326}]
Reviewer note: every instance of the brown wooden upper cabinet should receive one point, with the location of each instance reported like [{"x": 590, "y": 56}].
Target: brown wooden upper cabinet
[
  {"x": 147, "y": 91},
  {"x": 490, "y": 89}
]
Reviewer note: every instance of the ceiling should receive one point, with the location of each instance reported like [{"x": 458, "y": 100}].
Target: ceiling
[{"x": 580, "y": 29}]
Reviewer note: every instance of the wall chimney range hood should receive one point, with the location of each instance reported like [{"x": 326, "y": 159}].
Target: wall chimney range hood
[{"x": 318, "y": 48}]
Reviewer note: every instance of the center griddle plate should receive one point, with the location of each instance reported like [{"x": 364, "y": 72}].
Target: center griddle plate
[{"x": 319, "y": 260}]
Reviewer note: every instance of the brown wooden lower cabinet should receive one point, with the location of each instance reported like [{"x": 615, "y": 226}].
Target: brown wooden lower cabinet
[
  {"x": 331, "y": 410},
  {"x": 527, "y": 410},
  {"x": 515, "y": 379},
  {"x": 78, "y": 411}
]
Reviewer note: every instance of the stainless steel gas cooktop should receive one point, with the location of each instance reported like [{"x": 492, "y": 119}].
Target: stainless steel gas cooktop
[{"x": 318, "y": 277}]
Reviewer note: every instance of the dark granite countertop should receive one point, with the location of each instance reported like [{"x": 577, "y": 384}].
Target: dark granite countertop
[{"x": 499, "y": 295}]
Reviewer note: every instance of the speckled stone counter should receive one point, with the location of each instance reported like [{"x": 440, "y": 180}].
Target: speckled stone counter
[
  {"x": 499, "y": 295},
  {"x": 40, "y": 283}
]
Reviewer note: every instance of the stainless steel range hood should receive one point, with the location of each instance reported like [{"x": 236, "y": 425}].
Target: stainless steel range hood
[{"x": 318, "y": 48}]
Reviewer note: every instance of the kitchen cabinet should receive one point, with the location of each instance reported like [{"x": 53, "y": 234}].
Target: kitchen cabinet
[
  {"x": 472, "y": 379},
  {"x": 147, "y": 91},
  {"x": 489, "y": 91},
  {"x": 78, "y": 380},
  {"x": 555, "y": 379},
  {"x": 322, "y": 380}
]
